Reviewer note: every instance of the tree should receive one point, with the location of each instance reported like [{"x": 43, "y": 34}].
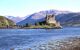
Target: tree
[
  {"x": 37, "y": 23},
  {"x": 28, "y": 24}
]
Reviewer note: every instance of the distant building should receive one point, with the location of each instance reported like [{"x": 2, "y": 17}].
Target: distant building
[{"x": 50, "y": 19}]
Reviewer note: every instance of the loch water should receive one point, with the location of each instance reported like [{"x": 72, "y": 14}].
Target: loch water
[{"x": 23, "y": 38}]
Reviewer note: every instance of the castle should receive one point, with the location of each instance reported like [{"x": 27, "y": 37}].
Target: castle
[{"x": 50, "y": 19}]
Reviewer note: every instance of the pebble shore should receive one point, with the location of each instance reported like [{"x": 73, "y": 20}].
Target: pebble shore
[{"x": 71, "y": 43}]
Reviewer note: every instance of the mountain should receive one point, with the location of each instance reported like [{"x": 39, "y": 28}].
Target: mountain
[
  {"x": 15, "y": 19},
  {"x": 40, "y": 16},
  {"x": 65, "y": 18},
  {"x": 5, "y": 21},
  {"x": 70, "y": 19}
]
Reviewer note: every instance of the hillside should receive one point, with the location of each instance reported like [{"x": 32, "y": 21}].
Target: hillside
[
  {"x": 65, "y": 18},
  {"x": 40, "y": 16},
  {"x": 5, "y": 22},
  {"x": 70, "y": 19},
  {"x": 15, "y": 19}
]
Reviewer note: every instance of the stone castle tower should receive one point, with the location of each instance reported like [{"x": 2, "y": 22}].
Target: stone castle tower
[{"x": 50, "y": 19}]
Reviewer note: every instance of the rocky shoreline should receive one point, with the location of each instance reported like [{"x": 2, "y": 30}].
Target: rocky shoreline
[{"x": 71, "y": 43}]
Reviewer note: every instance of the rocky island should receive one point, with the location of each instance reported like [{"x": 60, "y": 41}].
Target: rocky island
[{"x": 49, "y": 22}]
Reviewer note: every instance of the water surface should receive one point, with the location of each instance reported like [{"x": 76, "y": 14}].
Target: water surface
[{"x": 22, "y": 38}]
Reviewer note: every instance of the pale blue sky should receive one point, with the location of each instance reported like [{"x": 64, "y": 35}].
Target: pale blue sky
[{"x": 25, "y": 7}]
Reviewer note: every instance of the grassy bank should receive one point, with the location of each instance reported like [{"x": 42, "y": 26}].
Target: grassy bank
[{"x": 41, "y": 27}]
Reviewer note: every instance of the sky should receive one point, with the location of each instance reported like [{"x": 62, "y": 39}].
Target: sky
[{"x": 26, "y": 7}]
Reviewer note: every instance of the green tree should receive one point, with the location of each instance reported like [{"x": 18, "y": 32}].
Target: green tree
[
  {"x": 27, "y": 25},
  {"x": 37, "y": 23}
]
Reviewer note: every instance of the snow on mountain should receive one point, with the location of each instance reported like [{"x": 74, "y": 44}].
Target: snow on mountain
[{"x": 40, "y": 16}]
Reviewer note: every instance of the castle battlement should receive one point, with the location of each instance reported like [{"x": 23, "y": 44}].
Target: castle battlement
[{"x": 50, "y": 19}]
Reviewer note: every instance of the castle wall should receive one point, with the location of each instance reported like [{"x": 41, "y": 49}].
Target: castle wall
[{"x": 50, "y": 19}]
